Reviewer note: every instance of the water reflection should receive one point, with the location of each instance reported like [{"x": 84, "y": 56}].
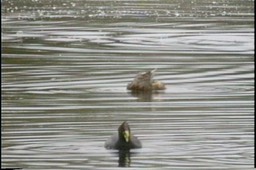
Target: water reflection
[
  {"x": 66, "y": 66},
  {"x": 124, "y": 158},
  {"x": 145, "y": 96}
]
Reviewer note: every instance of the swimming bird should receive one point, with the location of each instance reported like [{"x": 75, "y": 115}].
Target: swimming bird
[
  {"x": 144, "y": 82},
  {"x": 123, "y": 140}
]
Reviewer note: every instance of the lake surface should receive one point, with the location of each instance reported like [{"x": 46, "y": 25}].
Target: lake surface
[{"x": 66, "y": 65}]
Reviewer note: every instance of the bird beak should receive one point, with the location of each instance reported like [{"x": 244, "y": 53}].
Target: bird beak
[{"x": 127, "y": 135}]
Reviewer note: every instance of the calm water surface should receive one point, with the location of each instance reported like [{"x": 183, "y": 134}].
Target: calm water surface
[{"x": 66, "y": 64}]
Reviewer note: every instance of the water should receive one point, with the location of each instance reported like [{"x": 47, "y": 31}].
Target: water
[{"x": 65, "y": 67}]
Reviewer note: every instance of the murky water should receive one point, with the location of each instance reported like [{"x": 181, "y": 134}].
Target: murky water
[{"x": 66, "y": 64}]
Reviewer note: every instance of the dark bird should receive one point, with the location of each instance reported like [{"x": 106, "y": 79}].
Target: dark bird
[
  {"x": 144, "y": 82},
  {"x": 123, "y": 140}
]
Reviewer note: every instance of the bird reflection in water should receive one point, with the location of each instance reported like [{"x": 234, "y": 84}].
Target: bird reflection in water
[
  {"x": 143, "y": 96},
  {"x": 124, "y": 158}
]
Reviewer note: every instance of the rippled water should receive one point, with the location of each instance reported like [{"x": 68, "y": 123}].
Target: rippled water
[{"x": 65, "y": 67}]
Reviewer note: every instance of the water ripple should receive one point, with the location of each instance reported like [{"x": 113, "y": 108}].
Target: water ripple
[{"x": 66, "y": 66}]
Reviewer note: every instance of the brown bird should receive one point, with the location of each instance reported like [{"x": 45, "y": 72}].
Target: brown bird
[{"x": 144, "y": 82}]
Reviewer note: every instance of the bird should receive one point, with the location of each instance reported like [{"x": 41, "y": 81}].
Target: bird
[
  {"x": 123, "y": 140},
  {"x": 145, "y": 82}
]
